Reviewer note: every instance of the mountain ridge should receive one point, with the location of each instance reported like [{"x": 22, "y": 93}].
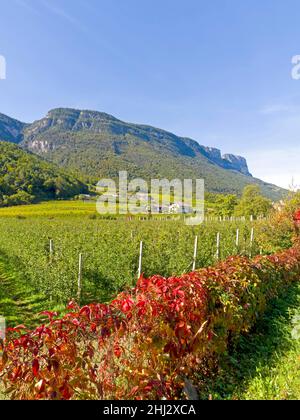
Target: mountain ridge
[
  {"x": 228, "y": 161},
  {"x": 98, "y": 145},
  {"x": 11, "y": 129}
]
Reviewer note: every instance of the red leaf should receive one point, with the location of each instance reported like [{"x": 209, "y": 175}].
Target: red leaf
[
  {"x": 65, "y": 392},
  {"x": 17, "y": 329},
  {"x": 133, "y": 392},
  {"x": 118, "y": 351},
  {"x": 72, "y": 305},
  {"x": 76, "y": 322},
  {"x": 35, "y": 367},
  {"x": 127, "y": 305},
  {"x": 87, "y": 311}
]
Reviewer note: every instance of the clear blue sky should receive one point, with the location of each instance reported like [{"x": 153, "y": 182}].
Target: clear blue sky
[{"x": 218, "y": 71}]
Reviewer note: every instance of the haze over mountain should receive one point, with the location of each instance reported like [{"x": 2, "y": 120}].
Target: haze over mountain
[{"x": 95, "y": 145}]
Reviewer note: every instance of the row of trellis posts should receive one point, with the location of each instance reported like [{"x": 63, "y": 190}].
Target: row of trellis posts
[{"x": 140, "y": 265}]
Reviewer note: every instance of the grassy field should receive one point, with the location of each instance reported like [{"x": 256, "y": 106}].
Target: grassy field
[
  {"x": 18, "y": 300},
  {"x": 51, "y": 209},
  {"x": 59, "y": 208},
  {"x": 265, "y": 365},
  {"x": 110, "y": 248}
]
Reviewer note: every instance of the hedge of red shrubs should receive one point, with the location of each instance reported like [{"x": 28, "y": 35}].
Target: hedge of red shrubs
[{"x": 147, "y": 342}]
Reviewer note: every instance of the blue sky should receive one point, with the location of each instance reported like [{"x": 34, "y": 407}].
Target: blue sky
[{"x": 218, "y": 71}]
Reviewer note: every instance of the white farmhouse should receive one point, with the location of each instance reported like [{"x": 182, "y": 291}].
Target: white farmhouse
[{"x": 180, "y": 208}]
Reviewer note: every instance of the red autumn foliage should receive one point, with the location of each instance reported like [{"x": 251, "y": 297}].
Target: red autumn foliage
[
  {"x": 148, "y": 341},
  {"x": 297, "y": 216}
]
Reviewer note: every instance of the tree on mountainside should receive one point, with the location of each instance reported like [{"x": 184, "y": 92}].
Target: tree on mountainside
[{"x": 26, "y": 178}]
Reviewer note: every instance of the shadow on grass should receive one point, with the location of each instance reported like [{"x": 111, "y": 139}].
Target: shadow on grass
[
  {"x": 19, "y": 302},
  {"x": 261, "y": 348},
  {"x": 98, "y": 288}
]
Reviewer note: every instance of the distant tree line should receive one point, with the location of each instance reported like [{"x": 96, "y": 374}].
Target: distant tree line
[{"x": 252, "y": 203}]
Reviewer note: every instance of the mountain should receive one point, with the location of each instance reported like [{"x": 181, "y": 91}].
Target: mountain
[
  {"x": 10, "y": 129},
  {"x": 96, "y": 145},
  {"x": 26, "y": 178}
]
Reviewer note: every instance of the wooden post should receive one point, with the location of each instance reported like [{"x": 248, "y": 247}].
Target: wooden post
[
  {"x": 237, "y": 241},
  {"x": 2, "y": 331},
  {"x": 252, "y": 236},
  {"x": 51, "y": 252},
  {"x": 80, "y": 277},
  {"x": 251, "y": 241},
  {"x": 218, "y": 246},
  {"x": 195, "y": 253},
  {"x": 140, "y": 260},
  {"x": 51, "y": 247}
]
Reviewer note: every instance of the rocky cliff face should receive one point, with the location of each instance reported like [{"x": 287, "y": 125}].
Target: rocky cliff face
[
  {"x": 70, "y": 120},
  {"x": 228, "y": 161},
  {"x": 237, "y": 163},
  {"x": 95, "y": 145}
]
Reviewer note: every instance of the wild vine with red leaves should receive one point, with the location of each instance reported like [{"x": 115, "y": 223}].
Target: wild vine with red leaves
[{"x": 147, "y": 342}]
